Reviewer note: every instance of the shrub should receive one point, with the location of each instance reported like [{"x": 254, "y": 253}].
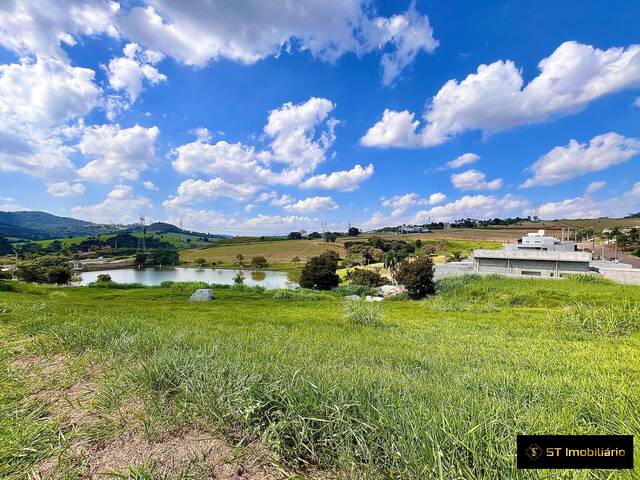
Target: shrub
[
  {"x": 362, "y": 313},
  {"x": 590, "y": 278},
  {"x": 417, "y": 276},
  {"x": 608, "y": 321},
  {"x": 140, "y": 259},
  {"x": 637, "y": 252},
  {"x": 239, "y": 278},
  {"x": 5, "y": 275},
  {"x": 455, "y": 257},
  {"x": 59, "y": 275},
  {"x": 299, "y": 294},
  {"x": 319, "y": 272},
  {"x": 360, "y": 290},
  {"x": 103, "y": 277},
  {"x": 259, "y": 262},
  {"x": 200, "y": 262},
  {"x": 369, "y": 278}
]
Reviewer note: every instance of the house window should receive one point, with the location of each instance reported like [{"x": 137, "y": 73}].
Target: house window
[{"x": 531, "y": 273}]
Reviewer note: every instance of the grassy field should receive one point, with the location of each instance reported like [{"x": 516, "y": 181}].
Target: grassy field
[
  {"x": 141, "y": 383},
  {"x": 280, "y": 253}
]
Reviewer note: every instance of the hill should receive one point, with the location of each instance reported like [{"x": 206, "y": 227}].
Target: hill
[{"x": 33, "y": 225}]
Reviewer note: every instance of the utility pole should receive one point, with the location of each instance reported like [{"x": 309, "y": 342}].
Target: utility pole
[{"x": 142, "y": 246}]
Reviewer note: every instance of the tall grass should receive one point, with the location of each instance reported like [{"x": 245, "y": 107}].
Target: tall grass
[
  {"x": 360, "y": 312},
  {"x": 609, "y": 320}
]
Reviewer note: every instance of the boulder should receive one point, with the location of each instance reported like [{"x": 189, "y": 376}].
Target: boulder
[
  {"x": 369, "y": 298},
  {"x": 387, "y": 290},
  {"x": 201, "y": 295},
  {"x": 354, "y": 298}
]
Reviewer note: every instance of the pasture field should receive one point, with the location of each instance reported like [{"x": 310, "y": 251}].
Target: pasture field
[{"x": 139, "y": 383}]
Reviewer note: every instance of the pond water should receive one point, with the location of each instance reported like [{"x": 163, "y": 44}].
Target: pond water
[{"x": 221, "y": 276}]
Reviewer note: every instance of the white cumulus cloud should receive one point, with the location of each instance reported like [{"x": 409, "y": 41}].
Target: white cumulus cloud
[
  {"x": 474, "y": 180},
  {"x": 66, "y": 189},
  {"x": 130, "y": 71},
  {"x": 121, "y": 205},
  {"x": 495, "y": 98},
  {"x": 343, "y": 180},
  {"x": 312, "y": 204},
  {"x": 462, "y": 160},
  {"x": 564, "y": 163}
]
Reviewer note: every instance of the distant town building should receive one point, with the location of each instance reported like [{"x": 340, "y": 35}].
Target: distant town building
[{"x": 534, "y": 255}]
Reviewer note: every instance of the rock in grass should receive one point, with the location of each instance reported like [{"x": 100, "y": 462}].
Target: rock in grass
[
  {"x": 354, "y": 298},
  {"x": 387, "y": 290},
  {"x": 201, "y": 295},
  {"x": 369, "y": 298}
]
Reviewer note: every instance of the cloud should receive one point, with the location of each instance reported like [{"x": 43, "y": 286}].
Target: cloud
[
  {"x": 637, "y": 102},
  {"x": 495, "y": 98},
  {"x": 137, "y": 65},
  {"x": 564, "y": 163},
  {"x": 66, "y": 189},
  {"x": 117, "y": 152},
  {"x": 474, "y": 180},
  {"x": 300, "y": 135},
  {"x": 400, "y": 203},
  {"x": 120, "y": 205},
  {"x": 595, "y": 186},
  {"x": 149, "y": 185},
  {"x": 312, "y": 204},
  {"x": 464, "y": 159},
  {"x": 46, "y": 92},
  {"x": 191, "y": 191},
  {"x": 282, "y": 200},
  {"x": 343, "y": 180},
  {"x": 40, "y": 28},
  {"x": 206, "y": 31},
  {"x": 473, "y": 206}
]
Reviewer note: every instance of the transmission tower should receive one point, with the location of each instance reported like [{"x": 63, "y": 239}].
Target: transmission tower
[{"x": 142, "y": 246}]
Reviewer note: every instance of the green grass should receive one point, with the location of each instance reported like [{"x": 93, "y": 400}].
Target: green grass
[{"x": 428, "y": 393}]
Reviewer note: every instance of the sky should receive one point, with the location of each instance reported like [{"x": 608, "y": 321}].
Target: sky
[{"x": 255, "y": 117}]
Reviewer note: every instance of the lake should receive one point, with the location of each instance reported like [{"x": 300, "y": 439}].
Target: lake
[{"x": 221, "y": 276}]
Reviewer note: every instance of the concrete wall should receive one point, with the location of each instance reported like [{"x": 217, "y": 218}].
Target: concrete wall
[
  {"x": 542, "y": 268},
  {"x": 622, "y": 276}
]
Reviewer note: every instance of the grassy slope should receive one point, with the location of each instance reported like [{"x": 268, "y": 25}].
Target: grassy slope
[{"x": 431, "y": 394}]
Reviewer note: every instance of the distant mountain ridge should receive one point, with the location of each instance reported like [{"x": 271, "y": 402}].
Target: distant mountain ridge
[{"x": 35, "y": 225}]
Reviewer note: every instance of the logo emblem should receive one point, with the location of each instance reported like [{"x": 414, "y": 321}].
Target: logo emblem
[{"x": 534, "y": 451}]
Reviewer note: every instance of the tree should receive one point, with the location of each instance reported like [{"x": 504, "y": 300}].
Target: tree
[
  {"x": 104, "y": 277},
  {"x": 296, "y": 260},
  {"x": 30, "y": 271},
  {"x": 294, "y": 236},
  {"x": 417, "y": 276},
  {"x": 314, "y": 236},
  {"x": 353, "y": 232},
  {"x": 259, "y": 262},
  {"x": 5, "y": 246},
  {"x": 320, "y": 272},
  {"x": 239, "y": 261},
  {"x": 200, "y": 262},
  {"x": 417, "y": 244},
  {"x": 165, "y": 257},
  {"x": 140, "y": 259},
  {"x": 361, "y": 276}
]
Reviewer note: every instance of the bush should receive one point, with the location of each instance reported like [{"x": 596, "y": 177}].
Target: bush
[
  {"x": 200, "y": 262},
  {"x": 637, "y": 252},
  {"x": 369, "y": 278},
  {"x": 319, "y": 272},
  {"x": 590, "y": 278},
  {"x": 104, "y": 277},
  {"x": 259, "y": 262},
  {"x": 608, "y": 321},
  {"x": 360, "y": 290},
  {"x": 5, "y": 275},
  {"x": 299, "y": 294},
  {"x": 417, "y": 276},
  {"x": 239, "y": 278},
  {"x": 362, "y": 313},
  {"x": 455, "y": 257},
  {"x": 44, "y": 270}
]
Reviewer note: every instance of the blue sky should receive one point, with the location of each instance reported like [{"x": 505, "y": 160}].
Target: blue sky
[{"x": 267, "y": 117}]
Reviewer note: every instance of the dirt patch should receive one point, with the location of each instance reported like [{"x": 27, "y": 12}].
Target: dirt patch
[{"x": 194, "y": 452}]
